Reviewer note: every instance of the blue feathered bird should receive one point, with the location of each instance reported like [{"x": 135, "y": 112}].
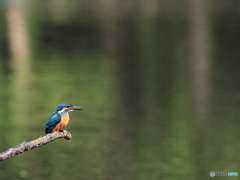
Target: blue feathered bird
[{"x": 60, "y": 118}]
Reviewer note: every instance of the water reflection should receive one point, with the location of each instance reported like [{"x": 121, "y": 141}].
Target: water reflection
[{"x": 144, "y": 117}]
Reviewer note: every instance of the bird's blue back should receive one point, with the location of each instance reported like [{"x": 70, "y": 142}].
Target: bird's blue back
[{"x": 53, "y": 121}]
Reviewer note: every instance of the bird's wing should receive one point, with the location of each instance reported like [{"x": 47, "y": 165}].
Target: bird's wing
[{"x": 55, "y": 118}]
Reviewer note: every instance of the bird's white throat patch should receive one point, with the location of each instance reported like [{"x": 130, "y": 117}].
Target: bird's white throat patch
[{"x": 63, "y": 111}]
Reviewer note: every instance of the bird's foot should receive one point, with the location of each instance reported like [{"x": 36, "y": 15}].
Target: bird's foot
[{"x": 67, "y": 134}]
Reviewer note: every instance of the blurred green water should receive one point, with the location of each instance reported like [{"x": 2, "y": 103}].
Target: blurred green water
[{"x": 140, "y": 121}]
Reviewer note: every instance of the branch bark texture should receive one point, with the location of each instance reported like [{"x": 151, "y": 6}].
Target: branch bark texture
[{"x": 26, "y": 146}]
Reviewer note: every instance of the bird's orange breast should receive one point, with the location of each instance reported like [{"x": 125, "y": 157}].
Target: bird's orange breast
[{"x": 64, "y": 121}]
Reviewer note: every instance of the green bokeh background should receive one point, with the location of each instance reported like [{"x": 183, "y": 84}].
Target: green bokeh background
[{"x": 160, "y": 81}]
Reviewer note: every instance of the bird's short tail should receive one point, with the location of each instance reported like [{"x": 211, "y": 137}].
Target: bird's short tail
[{"x": 46, "y": 131}]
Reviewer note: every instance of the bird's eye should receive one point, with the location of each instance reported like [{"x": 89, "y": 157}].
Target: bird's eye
[{"x": 68, "y": 106}]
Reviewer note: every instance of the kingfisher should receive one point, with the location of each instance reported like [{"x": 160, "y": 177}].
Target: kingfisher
[{"x": 60, "y": 118}]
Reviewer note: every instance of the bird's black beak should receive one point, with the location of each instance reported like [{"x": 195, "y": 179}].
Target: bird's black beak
[{"x": 78, "y": 108}]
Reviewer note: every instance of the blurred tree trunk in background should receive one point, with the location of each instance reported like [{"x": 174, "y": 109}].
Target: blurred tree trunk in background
[
  {"x": 119, "y": 43},
  {"x": 19, "y": 49},
  {"x": 109, "y": 16},
  {"x": 58, "y": 9},
  {"x": 20, "y": 65},
  {"x": 200, "y": 60}
]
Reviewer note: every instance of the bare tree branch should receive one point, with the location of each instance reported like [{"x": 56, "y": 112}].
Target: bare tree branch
[{"x": 26, "y": 146}]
